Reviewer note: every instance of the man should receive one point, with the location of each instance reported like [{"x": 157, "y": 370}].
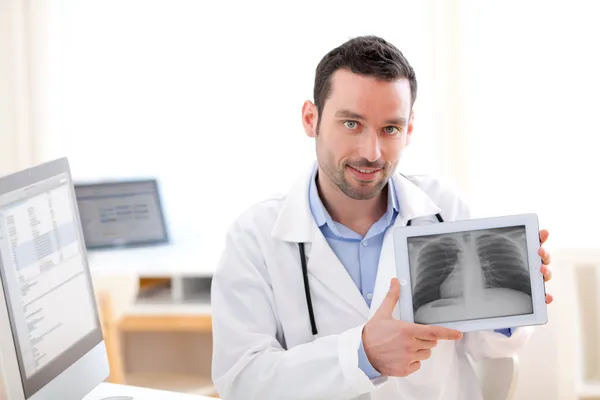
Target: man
[{"x": 331, "y": 332}]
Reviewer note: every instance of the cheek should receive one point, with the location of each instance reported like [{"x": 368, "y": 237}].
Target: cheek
[
  {"x": 338, "y": 145},
  {"x": 392, "y": 148}
]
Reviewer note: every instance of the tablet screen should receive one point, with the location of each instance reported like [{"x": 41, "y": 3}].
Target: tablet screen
[{"x": 470, "y": 275}]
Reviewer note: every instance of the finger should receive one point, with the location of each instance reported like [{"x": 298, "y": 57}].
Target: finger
[
  {"x": 423, "y": 354},
  {"x": 545, "y": 254},
  {"x": 435, "y": 333},
  {"x": 544, "y": 236},
  {"x": 389, "y": 302},
  {"x": 414, "y": 367},
  {"x": 546, "y": 272},
  {"x": 426, "y": 344},
  {"x": 549, "y": 298}
]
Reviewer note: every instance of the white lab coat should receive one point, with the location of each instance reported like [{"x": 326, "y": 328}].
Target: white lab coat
[{"x": 263, "y": 345}]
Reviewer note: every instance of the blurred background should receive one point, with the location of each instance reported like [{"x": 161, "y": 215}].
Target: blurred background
[{"x": 206, "y": 97}]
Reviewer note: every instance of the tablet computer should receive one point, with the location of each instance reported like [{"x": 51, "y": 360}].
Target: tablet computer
[{"x": 469, "y": 275}]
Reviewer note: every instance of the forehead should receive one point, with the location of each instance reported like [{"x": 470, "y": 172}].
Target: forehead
[{"x": 368, "y": 95}]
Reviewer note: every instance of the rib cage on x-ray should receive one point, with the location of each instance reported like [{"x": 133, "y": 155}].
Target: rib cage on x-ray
[
  {"x": 502, "y": 263},
  {"x": 436, "y": 261},
  {"x": 449, "y": 265}
]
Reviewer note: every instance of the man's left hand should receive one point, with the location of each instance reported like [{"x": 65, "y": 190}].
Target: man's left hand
[{"x": 545, "y": 254}]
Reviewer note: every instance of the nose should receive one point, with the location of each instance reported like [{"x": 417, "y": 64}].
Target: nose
[{"x": 369, "y": 147}]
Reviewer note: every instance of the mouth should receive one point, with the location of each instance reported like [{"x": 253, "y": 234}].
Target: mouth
[{"x": 365, "y": 174}]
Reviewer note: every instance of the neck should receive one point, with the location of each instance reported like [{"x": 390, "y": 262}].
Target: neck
[{"x": 358, "y": 215}]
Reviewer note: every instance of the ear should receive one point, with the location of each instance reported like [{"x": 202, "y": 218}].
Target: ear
[
  {"x": 409, "y": 129},
  {"x": 310, "y": 118}
]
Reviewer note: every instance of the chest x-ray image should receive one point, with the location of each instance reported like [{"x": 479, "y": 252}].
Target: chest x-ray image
[{"x": 470, "y": 275}]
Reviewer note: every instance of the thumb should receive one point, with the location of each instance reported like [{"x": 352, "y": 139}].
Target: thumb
[{"x": 391, "y": 299}]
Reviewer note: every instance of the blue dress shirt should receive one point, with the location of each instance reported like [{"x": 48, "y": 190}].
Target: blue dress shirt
[{"x": 359, "y": 255}]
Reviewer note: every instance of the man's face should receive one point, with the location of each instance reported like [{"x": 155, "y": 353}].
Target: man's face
[{"x": 364, "y": 126}]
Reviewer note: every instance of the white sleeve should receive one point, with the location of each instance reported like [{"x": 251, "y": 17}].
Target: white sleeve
[
  {"x": 249, "y": 361},
  {"x": 491, "y": 344}
]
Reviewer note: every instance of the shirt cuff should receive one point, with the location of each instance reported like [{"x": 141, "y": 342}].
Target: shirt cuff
[
  {"x": 365, "y": 365},
  {"x": 505, "y": 331}
]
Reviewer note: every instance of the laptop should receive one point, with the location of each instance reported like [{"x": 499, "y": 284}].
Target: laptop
[{"x": 121, "y": 214}]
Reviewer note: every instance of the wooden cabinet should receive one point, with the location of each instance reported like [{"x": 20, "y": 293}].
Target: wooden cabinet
[{"x": 156, "y": 319}]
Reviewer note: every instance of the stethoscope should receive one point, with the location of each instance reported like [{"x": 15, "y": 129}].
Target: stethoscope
[{"x": 311, "y": 314}]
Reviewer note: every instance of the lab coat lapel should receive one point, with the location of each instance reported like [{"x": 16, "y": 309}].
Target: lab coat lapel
[
  {"x": 414, "y": 203},
  {"x": 296, "y": 224},
  {"x": 325, "y": 266},
  {"x": 386, "y": 270}
]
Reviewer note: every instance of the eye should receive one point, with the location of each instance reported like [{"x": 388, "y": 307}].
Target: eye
[
  {"x": 351, "y": 124},
  {"x": 391, "y": 130}
]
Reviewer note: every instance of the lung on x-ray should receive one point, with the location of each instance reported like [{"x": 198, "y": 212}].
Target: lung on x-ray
[{"x": 470, "y": 275}]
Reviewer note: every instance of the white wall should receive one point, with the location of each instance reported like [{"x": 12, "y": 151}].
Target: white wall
[
  {"x": 208, "y": 96},
  {"x": 531, "y": 81},
  {"x": 18, "y": 110},
  {"x": 7, "y": 89},
  {"x": 531, "y": 86}
]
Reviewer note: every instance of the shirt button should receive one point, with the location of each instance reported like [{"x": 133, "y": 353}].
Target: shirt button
[
  {"x": 364, "y": 243},
  {"x": 369, "y": 296}
]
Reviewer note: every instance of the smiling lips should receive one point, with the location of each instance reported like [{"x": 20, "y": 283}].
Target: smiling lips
[{"x": 365, "y": 174}]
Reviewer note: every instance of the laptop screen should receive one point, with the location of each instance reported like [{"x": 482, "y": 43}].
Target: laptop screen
[{"x": 121, "y": 214}]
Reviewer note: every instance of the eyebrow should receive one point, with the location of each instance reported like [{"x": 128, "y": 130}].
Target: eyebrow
[{"x": 349, "y": 114}]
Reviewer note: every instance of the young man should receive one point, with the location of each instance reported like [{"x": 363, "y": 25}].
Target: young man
[{"x": 331, "y": 332}]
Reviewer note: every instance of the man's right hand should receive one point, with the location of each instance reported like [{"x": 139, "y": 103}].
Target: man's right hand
[{"x": 396, "y": 348}]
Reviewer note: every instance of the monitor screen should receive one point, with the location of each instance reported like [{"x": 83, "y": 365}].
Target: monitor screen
[
  {"x": 470, "y": 275},
  {"x": 120, "y": 214},
  {"x": 47, "y": 288}
]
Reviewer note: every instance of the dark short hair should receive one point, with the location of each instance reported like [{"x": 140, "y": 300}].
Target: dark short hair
[{"x": 364, "y": 55}]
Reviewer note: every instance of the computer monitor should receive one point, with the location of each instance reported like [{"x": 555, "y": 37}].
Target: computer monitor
[
  {"x": 51, "y": 344},
  {"x": 117, "y": 214}
]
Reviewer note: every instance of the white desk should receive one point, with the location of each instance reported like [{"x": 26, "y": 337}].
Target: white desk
[
  {"x": 192, "y": 258},
  {"x": 108, "y": 389},
  {"x": 189, "y": 265}
]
